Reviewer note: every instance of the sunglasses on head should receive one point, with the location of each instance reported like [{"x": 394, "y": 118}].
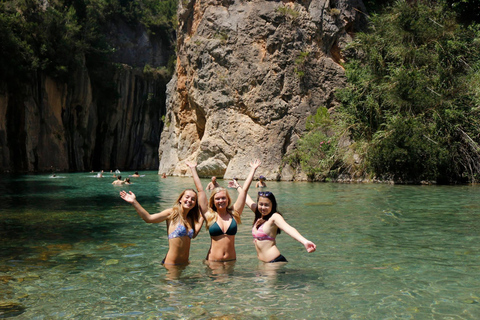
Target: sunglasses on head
[{"x": 264, "y": 194}]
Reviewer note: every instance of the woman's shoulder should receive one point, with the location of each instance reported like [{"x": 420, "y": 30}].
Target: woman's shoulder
[
  {"x": 276, "y": 216},
  {"x": 168, "y": 212},
  {"x": 210, "y": 214}
]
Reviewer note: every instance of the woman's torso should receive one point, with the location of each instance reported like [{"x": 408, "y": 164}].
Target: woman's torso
[
  {"x": 265, "y": 243},
  {"x": 179, "y": 240},
  {"x": 222, "y": 233}
]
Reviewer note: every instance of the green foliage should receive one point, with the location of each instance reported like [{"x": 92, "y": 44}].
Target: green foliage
[
  {"x": 317, "y": 154},
  {"x": 288, "y": 12},
  {"x": 319, "y": 120},
  {"x": 37, "y": 38},
  {"x": 222, "y": 36},
  {"x": 407, "y": 150},
  {"x": 156, "y": 73},
  {"x": 376, "y": 6},
  {"x": 317, "y": 151},
  {"x": 300, "y": 64},
  {"x": 411, "y": 107},
  {"x": 413, "y": 96},
  {"x": 165, "y": 121},
  {"x": 55, "y": 36},
  {"x": 468, "y": 10}
]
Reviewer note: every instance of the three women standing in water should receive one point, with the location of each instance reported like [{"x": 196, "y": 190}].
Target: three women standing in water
[{"x": 222, "y": 218}]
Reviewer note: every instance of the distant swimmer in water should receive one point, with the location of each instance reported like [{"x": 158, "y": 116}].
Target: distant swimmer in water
[
  {"x": 164, "y": 175},
  {"x": 184, "y": 221},
  {"x": 119, "y": 181},
  {"x": 261, "y": 182},
  {"x": 100, "y": 174},
  {"x": 127, "y": 181},
  {"x": 213, "y": 184},
  {"x": 267, "y": 224},
  {"x": 135, "y": 175}
]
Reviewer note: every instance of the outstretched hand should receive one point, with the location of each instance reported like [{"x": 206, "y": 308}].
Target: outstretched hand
[
  {"x": 191, "y": 164},
  {"x": 255, "y": 164},
  {"x": 310, "y": 246},
  {"x": 233, "y": 184},
  {"x": 129, "y": 197}
]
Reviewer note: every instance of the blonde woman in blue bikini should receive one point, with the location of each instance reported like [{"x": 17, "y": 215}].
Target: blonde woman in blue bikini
[{"x": 184, "y": 221}]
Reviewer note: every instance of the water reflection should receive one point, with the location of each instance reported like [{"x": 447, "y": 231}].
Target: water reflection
[
  {"x": 174, "y": 272},
  {"x": 219, "y": 269}
]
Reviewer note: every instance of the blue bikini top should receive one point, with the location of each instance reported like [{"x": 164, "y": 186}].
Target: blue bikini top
[{"x": 181, "y": 231}]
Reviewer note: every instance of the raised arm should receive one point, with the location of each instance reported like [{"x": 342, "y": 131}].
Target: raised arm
[
  {"x": 250, "y": 203},
  {"x": 292, "y": 232},
  {"x": 243, "y": 191},
  {"x": 147, "y": 217},
  {"x": 202, "y": 197}
]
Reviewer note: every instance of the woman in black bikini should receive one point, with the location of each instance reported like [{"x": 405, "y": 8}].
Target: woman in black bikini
[
  {"x": 222, "y": 219},
  {"x": 184, "y": 221},
  {"x": 267, "y": 224}
]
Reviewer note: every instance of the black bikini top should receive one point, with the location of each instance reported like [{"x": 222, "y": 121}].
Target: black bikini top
[{"x": 215, "y": 229}]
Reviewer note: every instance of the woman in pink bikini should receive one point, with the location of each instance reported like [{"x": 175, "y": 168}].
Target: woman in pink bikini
[
  {"x": 267, "y": 224},
  {"x": 184, "y": 221}
]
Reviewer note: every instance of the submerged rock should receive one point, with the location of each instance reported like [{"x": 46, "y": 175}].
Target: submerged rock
[{"x": 9, "y": 309}]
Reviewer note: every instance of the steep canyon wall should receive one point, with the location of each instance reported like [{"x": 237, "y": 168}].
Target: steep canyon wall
[
  {"x": 248, "y": 74},
  {"x": 53, "y": 125}
]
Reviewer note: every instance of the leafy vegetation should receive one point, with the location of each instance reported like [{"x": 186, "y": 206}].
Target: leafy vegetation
[
  {"x": 412, "y": 104},
  {"x": 55, "y": 36}
]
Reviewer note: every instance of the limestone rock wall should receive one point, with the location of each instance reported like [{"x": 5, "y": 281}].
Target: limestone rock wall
[
  {"x": 248, "y": 74},
  {"x": 56, "y": 126},
  {"x": 50, "y": 125}
]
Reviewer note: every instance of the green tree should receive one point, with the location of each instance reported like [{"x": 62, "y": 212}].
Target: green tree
[
  {"x": 412, "y": 94},
  {"x": 55, "y": 37},
  {"x": 411, "y": 108}
]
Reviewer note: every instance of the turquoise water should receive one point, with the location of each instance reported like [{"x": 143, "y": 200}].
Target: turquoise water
[{"x": 71, "y": 248}]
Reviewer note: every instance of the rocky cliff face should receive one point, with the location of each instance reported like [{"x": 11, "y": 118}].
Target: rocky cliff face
[
  {"x": 248, "y": 74},
  {"x": 66, "y": 127}
]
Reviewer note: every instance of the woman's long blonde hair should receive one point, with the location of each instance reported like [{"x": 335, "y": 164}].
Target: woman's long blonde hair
[
  {"x": 192, "y": 215},
  {"x": 212, "y": 214}
]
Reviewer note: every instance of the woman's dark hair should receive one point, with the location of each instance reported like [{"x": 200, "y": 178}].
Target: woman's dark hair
[{"x": 258, "y": 221}]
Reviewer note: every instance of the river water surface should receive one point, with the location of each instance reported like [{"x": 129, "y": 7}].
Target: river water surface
[{"x": 71, "y": 248}]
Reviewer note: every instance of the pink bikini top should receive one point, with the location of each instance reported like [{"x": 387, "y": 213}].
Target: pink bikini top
[{"x": 258, "y": 234}]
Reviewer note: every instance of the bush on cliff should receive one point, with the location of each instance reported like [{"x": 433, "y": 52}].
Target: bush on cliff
[{"x": 412, "y": 102}]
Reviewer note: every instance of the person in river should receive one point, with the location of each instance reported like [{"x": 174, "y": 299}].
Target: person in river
[
  {"x": 222, "y": 218},
  {"x": 267, "y": 224},
  {"x": 213, "y": 184},
  {"x": 119, "y": 181},
  {"x": 184, "y": 221},
  {"x": 261, "y": 182}
]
